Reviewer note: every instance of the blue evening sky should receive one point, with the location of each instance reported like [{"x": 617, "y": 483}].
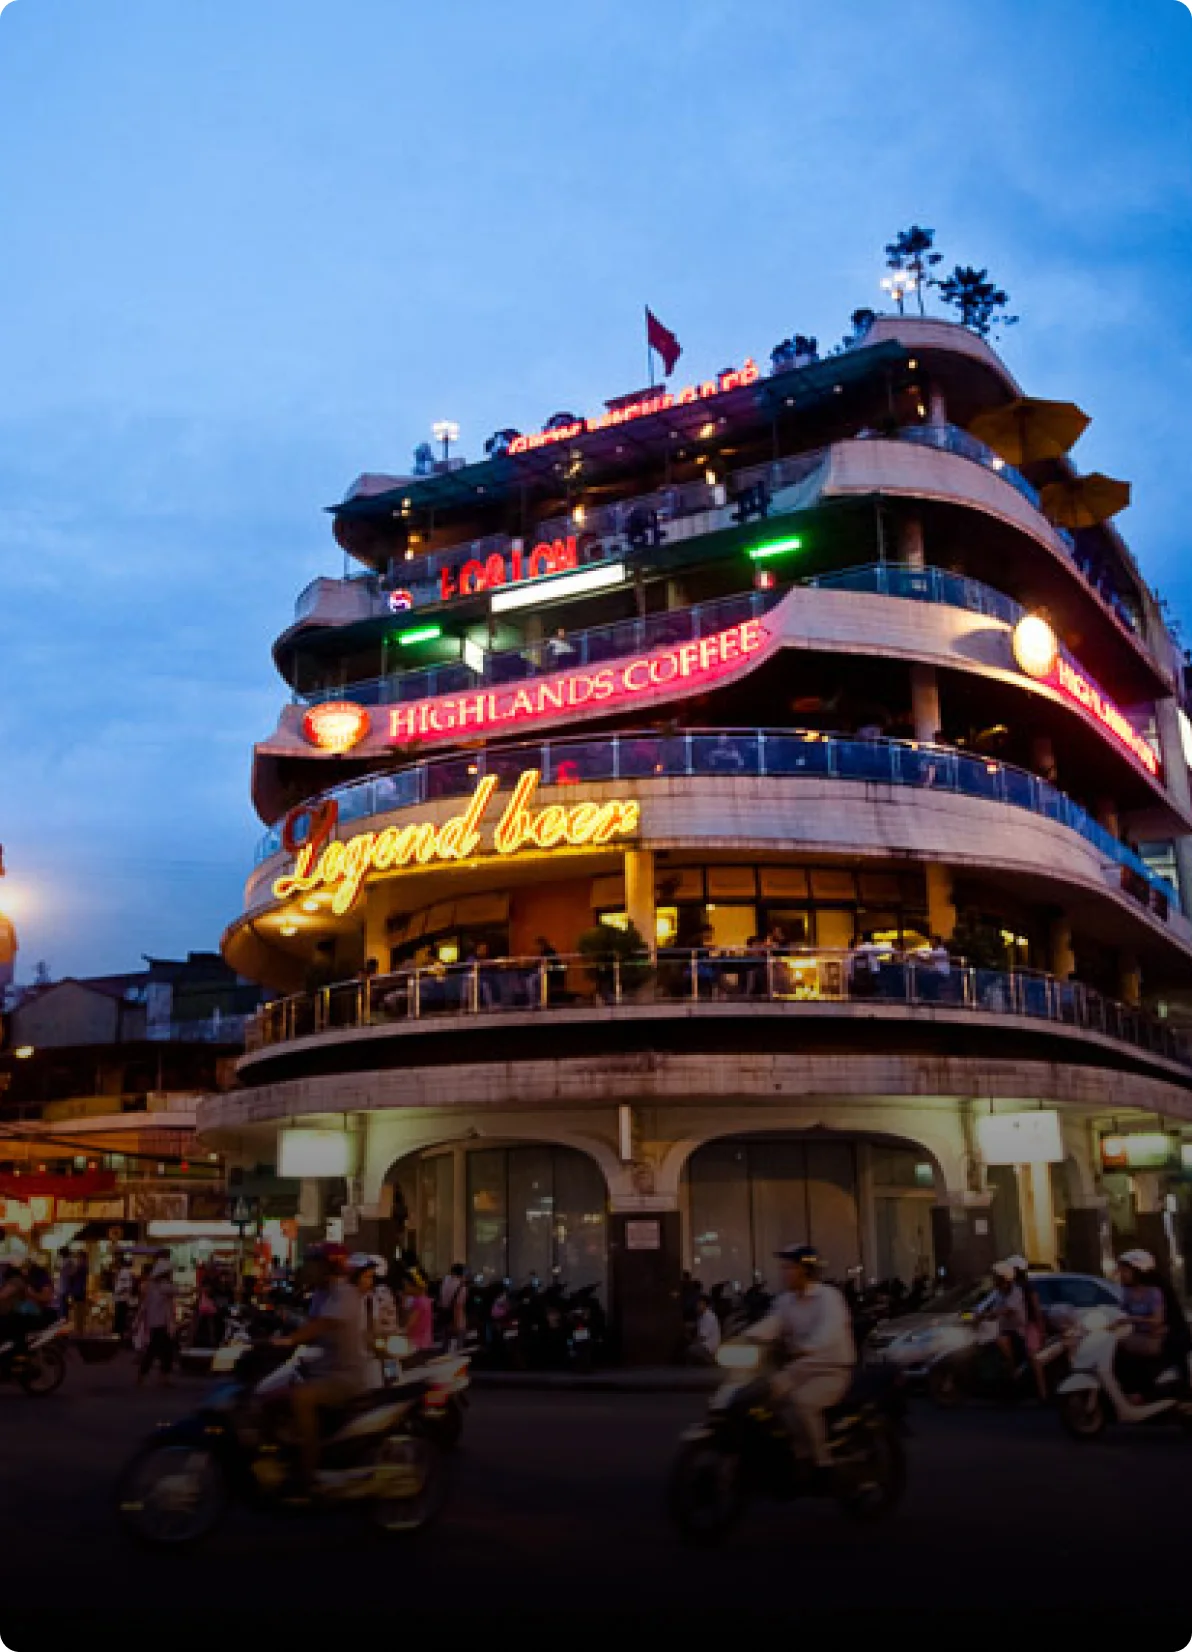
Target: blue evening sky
[{"x": 251, "y": 248}]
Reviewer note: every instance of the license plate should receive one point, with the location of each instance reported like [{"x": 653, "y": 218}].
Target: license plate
[
  {"x": 509, "y": 1335},
  {"x": 390, "y": 1370},
  {"x": 581, "y": 1336}
]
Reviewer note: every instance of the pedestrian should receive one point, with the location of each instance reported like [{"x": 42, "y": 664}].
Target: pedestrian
[
  {"x": 453, "y": 1305},
  {"x": 157, "y": 1321},
  {"x": 123, "y": 1294},
  {"x": 66, "y": 1266},
  {"x": 707, "y": 1334},
  {"x": 418, "y": 1312},
  {"x": 78, "y": 1293}
]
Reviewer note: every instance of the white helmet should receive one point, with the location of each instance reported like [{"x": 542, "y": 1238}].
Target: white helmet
[
  {"x": 1140, "y": 1259},
  {"x": 1018, "y": 1262},
  {"x": 1004, "y": 1270}
]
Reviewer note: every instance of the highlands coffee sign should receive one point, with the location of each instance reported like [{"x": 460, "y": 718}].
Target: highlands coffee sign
[
  {"x": 685, "y": 666},
  {"x": 343, "y": 867},
  {"x": 689, "y": 396}
]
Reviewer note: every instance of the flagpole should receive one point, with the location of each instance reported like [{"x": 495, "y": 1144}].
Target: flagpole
[{"x": 649, "y": 350}]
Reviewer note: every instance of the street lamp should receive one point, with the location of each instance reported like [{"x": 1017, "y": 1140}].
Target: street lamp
[
  {"x": 445, "y": 431},
  {"x": 898, "y": 286}
]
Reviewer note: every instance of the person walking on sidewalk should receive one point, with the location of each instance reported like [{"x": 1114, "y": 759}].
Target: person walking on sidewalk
[{"x": 156, "y": 1321}]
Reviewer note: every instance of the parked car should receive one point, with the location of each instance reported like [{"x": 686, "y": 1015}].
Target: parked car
[{"x": 913, "y": 1342}]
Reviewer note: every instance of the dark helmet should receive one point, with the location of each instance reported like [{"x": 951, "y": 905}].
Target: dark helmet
[{"x": 807, "y": 1256}]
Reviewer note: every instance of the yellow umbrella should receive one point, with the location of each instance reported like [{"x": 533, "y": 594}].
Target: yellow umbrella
[
  {"x": 1083, "y": 501},
  {"x": 1028, "y": 429}
]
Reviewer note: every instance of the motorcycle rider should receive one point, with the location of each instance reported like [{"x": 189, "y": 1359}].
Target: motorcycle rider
[
  {"x": 1145, "y": 1303},
  {"x": 1035, "y": 1333},
  {"x": 336, "y": 1326},
  {"x": 1007, "y": 1306},
  {"x": 811, "y": 1320}
]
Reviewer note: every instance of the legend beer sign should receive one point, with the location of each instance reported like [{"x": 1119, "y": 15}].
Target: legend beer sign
[
  {"x": 343, "y": 868},
  {"x": 688, "y": 665}
]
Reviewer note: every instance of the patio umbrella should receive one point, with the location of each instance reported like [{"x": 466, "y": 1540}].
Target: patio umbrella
[
  {"x": 1084, "y": 501},
  {"x": 1028, "y": 429}
]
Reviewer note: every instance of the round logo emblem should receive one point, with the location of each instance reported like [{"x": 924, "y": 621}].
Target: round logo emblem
[{"x": 337, "y": 726}]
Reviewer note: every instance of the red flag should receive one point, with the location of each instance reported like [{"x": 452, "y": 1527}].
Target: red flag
[{"x": 666, "y": 344}]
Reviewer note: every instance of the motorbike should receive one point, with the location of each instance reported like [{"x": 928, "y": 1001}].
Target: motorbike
[
  {"x": 445, "y": 1397},
  {"x": 239, "y": 1445},
  {"x": 586, "y": 1327},
  {"x": 1092, "y": 1395},
  {"x": 742, "y": 1449},
  {"x": 978, "y": 1371},
  {"x": 41, "y": 1369}
]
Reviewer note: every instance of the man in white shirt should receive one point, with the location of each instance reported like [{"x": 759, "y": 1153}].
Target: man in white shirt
[
  {"x": 707, "y": 1333},
  {"x": 812, "y": 1321}
]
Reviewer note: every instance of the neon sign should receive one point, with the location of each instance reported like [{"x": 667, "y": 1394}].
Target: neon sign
[
  {"x": 1037, "y": 651},
  {"x": 554, "y": 556},
  {"x": 734, "y": 379},
  {"x": 326, "y": 863},
  {"x": 693, "y": 664},
  {"x": 336, "y": 727}
]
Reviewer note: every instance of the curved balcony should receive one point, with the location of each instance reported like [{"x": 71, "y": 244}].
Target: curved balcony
[
  {"x": 672, "y": 983},
  {"x": 739, "y": 753}
]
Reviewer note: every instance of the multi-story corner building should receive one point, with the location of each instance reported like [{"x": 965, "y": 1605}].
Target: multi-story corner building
[{"x": 802, "y": 677}]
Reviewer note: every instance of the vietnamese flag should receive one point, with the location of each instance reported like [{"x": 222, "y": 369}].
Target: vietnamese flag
[{"x": 665, "y": 342}]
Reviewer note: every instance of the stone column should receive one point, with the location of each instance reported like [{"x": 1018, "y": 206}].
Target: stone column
[
  {"x": 910, "y": 540},
  {"x": 1063, "y": 959},
  {"x": 1175, "y": 774},
  {"x": 939, "y": 407},
  {"x": 1089, "y": 1245},
  {"x": 639, "y": 892},
  {"x": 941, "y": 904},
  {"x": 459, "y": 1204},
  {"x": 925, "y": 702},
  {"x": 1038, "y": 1213}
]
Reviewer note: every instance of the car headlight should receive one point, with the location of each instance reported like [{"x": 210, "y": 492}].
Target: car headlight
[{"x": 739, "y": 1356}]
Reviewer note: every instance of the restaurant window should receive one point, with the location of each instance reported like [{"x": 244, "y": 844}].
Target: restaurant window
[
  {"x": 731, "y": 926},
  {"x": 732, "y": 883},
  {"x": 794, "y": 923},
  {"x": 831, "y": 885},
  {"x": 784, "y": 883}
]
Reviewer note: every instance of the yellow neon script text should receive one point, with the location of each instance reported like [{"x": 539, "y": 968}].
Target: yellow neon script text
[{"x": 344, "y": 867}]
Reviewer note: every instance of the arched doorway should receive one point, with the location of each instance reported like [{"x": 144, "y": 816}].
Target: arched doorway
[
  {"x": 866, "y": 1203},
  {"x": 509, "y": 1211}
]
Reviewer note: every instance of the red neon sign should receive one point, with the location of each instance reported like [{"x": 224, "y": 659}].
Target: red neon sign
[
  {"x": 734, "y": 379},
  {"x": 554, "y": 556},
  {"x": 1087, "y": 694},
  {"x": 690, "y": 665}
]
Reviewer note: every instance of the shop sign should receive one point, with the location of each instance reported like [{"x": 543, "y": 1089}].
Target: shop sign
[
  {"x": 23, "y": 1185},
  {"x": 733, "y": 379},
  {"x": 692, "y": 665},
  {"x": 1020, "y": 1138},
  {"x": 336, "y": 726},
  {"x": 643, "y": 1235},
  {"x": 345, "y": 867},
  {"x": 313, "y": 1153},
  {"x": 466, "y": 577},
  {"x": 1037, "y": 651},
  {"x": 1145, "y": 1150}
]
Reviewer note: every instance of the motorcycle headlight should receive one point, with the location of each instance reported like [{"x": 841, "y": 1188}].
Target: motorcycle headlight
[
  {"x": 397, "y": 1346},
  {"x": 739, "y": 1356}
]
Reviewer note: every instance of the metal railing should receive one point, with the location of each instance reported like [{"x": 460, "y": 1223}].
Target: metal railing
[
  {"x": 591, "y": 646},
  {"x": 736, "y": 753},
  {"x": 791, "y": 977}
]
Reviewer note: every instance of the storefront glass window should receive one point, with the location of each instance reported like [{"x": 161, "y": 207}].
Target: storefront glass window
[
  {"x": 436, "y": 1194},
  {"x": 581, "y": 1223},
  {"x": 719, "y": 1190},
  {"x": 531, "y": 1212},
  {"x": 487, "y": 1211}
]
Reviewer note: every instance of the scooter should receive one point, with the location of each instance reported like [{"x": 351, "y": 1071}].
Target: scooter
[
  {"x": 978, "y": 1371},
  {"x": 1092, "y": 1396},
  {"x": 41, "y": 1368},
  {"x": 444, "y": 1398}
]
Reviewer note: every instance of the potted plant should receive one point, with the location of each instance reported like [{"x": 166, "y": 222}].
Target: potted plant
[{"x": 611, "y": 953}]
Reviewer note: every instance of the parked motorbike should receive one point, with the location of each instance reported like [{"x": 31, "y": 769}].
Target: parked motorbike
[
  {"x": 587, "y": 1327},
  {"x": 41, "y": 1368},
  {"x": 1092, "y": 1396},
  {"x": 240, "y": 1445},
  {"x": 742, "y": 1450}
]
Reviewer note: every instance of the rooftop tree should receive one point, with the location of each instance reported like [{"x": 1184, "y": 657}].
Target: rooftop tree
[
  {"x": 910, "y": 253},
  {"x": 976, "y": 299}
]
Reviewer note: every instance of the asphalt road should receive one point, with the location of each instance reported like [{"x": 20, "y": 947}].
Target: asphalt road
[{"x": 556, "y": 1515}]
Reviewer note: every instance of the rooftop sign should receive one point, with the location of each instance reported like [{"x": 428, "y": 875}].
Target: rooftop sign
[
  {"x": 1037, "y": 651},
  {"x": 692, "y": 394}
]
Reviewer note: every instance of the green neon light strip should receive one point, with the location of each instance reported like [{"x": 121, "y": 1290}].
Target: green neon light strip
[
  {"x": 777, "y": 547},
  {"x": 424, "y": 633}
]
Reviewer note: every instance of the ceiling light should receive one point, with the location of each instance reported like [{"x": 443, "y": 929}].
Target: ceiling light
[
  {"x": 310, "y": 905},
  {"x": 289, "y": 929},
  {"x": 530, "y": 592}
]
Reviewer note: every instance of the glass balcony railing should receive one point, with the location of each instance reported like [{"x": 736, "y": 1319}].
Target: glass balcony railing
[
  {"x": 775, "y": 753},
  {"x": 795, "y": 979}
]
